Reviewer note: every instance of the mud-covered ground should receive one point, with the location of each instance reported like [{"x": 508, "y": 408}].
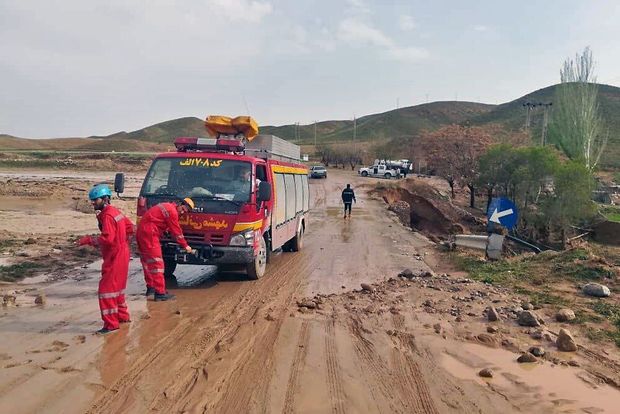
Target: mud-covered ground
[{"x": 305, "y": 338}]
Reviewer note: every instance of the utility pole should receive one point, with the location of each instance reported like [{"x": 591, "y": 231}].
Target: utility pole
[
  {"x": 315, "y": 135},
  {"x": 354, "y": 130},
  {"x": 546, "y": 106},
  {"x": 528, "y": 114}
]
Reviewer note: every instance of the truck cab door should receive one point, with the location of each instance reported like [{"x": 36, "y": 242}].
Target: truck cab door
[{"x": 261, "y": 176}]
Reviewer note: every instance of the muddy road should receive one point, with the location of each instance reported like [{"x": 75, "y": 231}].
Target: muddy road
[{"x": 228, "y": 345}]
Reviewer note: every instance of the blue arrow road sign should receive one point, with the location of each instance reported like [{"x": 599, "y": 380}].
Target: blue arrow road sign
[{"x": 502, "y": 211}]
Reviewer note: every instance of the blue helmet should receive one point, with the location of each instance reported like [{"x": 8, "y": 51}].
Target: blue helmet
[{"x": 99, "y": 191}]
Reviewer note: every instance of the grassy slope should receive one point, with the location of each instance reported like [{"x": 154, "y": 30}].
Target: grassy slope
[
  {"x": 377, "y": 127},
  {"x": 403, "y": 122},
  {"x": 512, "y": 116}
]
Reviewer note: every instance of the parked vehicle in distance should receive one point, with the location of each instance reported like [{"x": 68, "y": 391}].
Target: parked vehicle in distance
[
  {"x": 318, "y": 171},
  {"x": 380, "y": 170}
]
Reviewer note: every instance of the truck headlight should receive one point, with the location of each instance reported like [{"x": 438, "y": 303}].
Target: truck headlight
[{"x": 245, "y": 238}]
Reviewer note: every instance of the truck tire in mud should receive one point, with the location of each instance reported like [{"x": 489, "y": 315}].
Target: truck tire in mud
[
  {"x": 388, "y": 175},
  {"x": 170, "y": 266},
  {"x": 297, "y": 242},
  {"x": 364, "y": 173},
  {"x": 256, "y": 269}
]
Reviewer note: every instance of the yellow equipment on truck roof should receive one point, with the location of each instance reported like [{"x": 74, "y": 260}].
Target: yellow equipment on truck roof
[{"x": 223, "y": 125}]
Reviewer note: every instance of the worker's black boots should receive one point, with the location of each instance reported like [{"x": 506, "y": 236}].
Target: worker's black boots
[{"x": 161, "y": 297}]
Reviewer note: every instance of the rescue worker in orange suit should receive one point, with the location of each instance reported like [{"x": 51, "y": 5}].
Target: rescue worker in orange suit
[
  {"x": 114, "y": 245},
  {"x": 158, "y": 219}
]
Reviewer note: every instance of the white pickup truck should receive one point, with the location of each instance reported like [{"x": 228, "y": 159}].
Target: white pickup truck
[{"x": 380, "y": 170}]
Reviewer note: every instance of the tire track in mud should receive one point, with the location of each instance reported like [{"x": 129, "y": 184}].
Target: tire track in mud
[
  {"x": 298, "y": 361},
  {"x": 120, "y": 393},
  {"x": 412, "y": 383},
  {"x": 255, "y": 370},
  {"x": 186, "y": 387},
  {"x": 398, "y": 321},
  {"x": 334, "y": 380},
  {"x": 373, "y": 366},
  {"x": 401, "y": 384}
]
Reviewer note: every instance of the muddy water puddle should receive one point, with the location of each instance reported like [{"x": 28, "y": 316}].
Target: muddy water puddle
[
  {"x": 547, "y": 387},
  {"x": 339, "y": 212}
]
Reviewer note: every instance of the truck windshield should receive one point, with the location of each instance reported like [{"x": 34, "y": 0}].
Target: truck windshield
[{"x": 205, "y": 180}]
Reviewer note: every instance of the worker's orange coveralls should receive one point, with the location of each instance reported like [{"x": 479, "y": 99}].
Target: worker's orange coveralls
[
  {"x": 158, "y": 219},
  {"x": 113, "y": 243}
]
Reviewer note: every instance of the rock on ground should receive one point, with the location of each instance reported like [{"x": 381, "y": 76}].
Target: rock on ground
[
  {"x": 596, "y": 290},
  {"x": 407, "y": 273},
  {"x": 486, "y": 373},
  {"x": 486, "y": 339},
  {"x": 528, "y": 318},
  {"x": 537, "y": 351},
  {"x": 492, "y": 314},
  {"x": 527, "y": 357},
  {"x": 565, "y": 341},
  {"x": 565, "y": 315}
]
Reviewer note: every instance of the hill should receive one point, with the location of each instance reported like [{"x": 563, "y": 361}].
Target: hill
[
  {"x": 511, "y": 115},
  {"x": 163, "y": 131},
  {"x": 378, "y": 127},
  {"x": 375, "y": 128},
  {"x": 9, "y": 143}
]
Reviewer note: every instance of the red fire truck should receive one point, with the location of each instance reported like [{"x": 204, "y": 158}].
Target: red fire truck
[{"x": 251, "y": 198}]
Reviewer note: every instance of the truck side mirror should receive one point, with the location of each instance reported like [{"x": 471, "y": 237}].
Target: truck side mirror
[
  {"x": 264, "y": 191},
  {"x": 119, "y": 183}
]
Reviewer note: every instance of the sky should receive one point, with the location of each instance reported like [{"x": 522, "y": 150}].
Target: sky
[{"x": 78, "y": 68}]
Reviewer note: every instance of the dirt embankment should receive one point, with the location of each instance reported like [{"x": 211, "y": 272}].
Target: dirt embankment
[{"x": 423, "y": 204}]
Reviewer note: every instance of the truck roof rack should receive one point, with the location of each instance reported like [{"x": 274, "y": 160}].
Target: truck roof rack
[{"x": 272, "y": 147}]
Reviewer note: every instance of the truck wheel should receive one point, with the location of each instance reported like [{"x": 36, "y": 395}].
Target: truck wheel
[
  {"x": 388, "y": 175},
  {"x": 169, "y": 267},
  {"x": 298, "y": 241},
  {"x": 364, "y": 173},
  {"x": 256, "y": 269}
]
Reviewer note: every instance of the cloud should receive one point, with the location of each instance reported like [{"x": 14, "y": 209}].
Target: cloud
[
  {"x": 358, "y": 33},
  {"x": 358, "y": 6},
  {"x": 410, "y": 54},
  {"x": 406, "y": 23},
  {"x": 251, "y": 11},
  {"x": 480, "y": 28}
]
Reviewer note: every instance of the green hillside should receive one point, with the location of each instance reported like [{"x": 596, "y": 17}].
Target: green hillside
[
  {"x": 164, "y": 132},
  {"x": 383, "y": 127},
  {"x": 512, "y": 116},
  {"x": 8, "y": 142},
  {"x": 378, "y": 127}
]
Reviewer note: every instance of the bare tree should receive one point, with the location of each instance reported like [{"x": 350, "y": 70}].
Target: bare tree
[
  {"x": 577, "y": 127},
  {"x": 453, "y": 151}
]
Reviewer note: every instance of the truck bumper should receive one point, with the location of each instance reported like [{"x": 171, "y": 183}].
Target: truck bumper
[{"x": 210, "y": 255}]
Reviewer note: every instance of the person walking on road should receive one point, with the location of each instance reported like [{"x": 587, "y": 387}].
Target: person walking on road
[
  {"x": 113, "y": 242},
  {"x": 348, "y": 197},
  {"x": 158, "y": 219}
]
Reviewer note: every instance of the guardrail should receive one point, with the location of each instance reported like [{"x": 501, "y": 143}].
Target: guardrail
[{"x": 491, "y": 244}]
